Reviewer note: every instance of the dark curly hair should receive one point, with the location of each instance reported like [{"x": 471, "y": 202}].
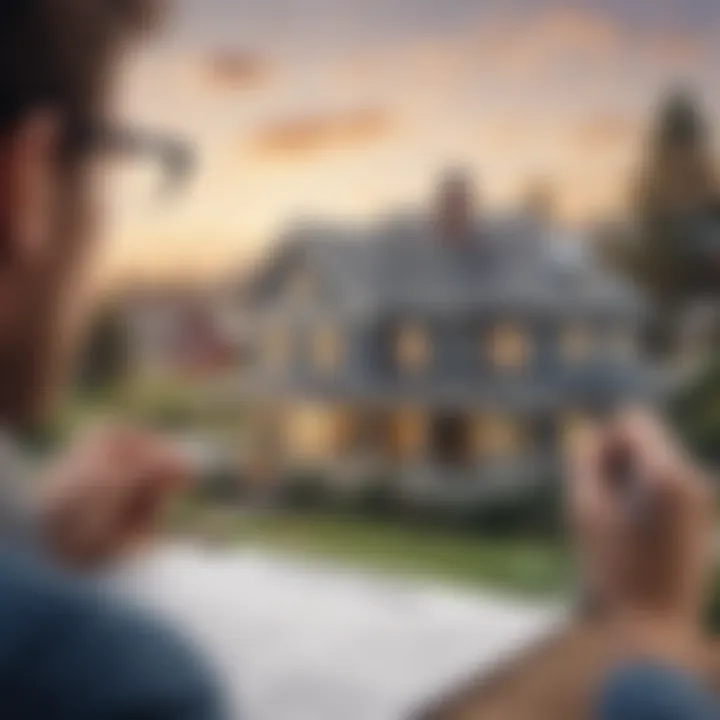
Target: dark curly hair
[{"x": 60, "y": 53}]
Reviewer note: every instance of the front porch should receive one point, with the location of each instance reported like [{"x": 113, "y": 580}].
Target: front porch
[{"x": 427, "y": 451}]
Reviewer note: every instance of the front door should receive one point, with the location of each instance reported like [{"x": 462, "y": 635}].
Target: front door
[{"x": 452, "y": 440}]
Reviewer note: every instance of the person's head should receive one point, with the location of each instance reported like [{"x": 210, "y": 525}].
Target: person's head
[{"x": 56, "y": 64}]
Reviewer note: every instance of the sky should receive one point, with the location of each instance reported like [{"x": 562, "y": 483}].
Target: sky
[{"x": 351, "y": 108}]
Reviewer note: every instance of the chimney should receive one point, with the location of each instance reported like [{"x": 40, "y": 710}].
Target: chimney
[
  {"x": 455, "y": 209},
  {"x": 539, "y": 201}
]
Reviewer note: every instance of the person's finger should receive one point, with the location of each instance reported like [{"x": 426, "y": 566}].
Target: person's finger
[
  {"x": 154, "y": 474},
  {"x": 171, "y": 465},
  {"x": 583, "y": 462},
  {"x": 109, "y": 492},
  {"x": 663, "y": 465},
  {"x": 658, "y": 461},
  {"x": 592, "y": 506},
  {"x": 642, "y": 428}
]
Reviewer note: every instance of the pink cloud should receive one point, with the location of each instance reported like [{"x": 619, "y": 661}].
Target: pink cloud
[
  {"x": 301, "y": 136},
  {"x": 604, "y": 130},
  {"x": 236, "y": 69}
]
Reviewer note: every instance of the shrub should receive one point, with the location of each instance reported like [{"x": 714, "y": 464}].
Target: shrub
[
  {"x": 712, "y": 613},
  {"x": 530, "y": 511},
  {"x": 535, "y": 510},
  {"x": 695, "y": 414},
  {"x": 378, "y": 498},
  {"x": 304, "y": 491},
  {"x": 223, "y": 485}
]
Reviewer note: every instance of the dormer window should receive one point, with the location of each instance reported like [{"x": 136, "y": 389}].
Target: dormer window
[
  {"x": 413, "y": 352},
  {"x": 576, "y": 344},
  {"x": 328, "y": 350},
  {"x": 509, "y": 348}
]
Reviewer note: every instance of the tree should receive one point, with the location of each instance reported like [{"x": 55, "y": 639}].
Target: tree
[
  {"x": 105, "y": 361},
  {"x": 678, "y": 191},
  {"x": 695, "y": 412},
  {"x": 673, "y": 250}
]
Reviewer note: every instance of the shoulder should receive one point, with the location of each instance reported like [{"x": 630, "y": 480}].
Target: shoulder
[{"x": 70, "y": 648}]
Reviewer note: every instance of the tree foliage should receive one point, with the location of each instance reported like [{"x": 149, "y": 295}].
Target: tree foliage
[
  {"x": 105, "y": 360},
  {"x": 672, "y": 248}
]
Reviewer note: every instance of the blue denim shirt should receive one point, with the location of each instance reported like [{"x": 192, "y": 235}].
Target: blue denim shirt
[
  {"x": 655, "y": 692},
  {"x": 69, "y": 653}
]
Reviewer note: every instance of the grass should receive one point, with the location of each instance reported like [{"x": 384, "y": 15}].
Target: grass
[{"x": 527, "y": 567}]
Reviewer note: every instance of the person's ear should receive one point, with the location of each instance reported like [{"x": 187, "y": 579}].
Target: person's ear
[{"x": 28, "y": 154}]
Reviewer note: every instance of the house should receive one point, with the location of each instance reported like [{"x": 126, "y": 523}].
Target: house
[
  {"x": 175, "y": 329},
  {"x": 454, "y": 351}
]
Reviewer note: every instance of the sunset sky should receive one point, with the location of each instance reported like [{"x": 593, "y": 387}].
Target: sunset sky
[{"x": 349, "y": 107}]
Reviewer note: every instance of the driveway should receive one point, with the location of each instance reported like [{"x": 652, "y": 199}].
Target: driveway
[{"x": 297, "y": 640}]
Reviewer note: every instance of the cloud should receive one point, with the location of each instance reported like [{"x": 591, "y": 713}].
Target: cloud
[
  {"x": 506, "y": 133},
  {"x": 236, "y": 70},
  {"x": 302, "y": 136},
  {"x": 676, "y": 47},
  {"x": 604, "y": 130},
  {"x": 578, "y": 29},
  {"x": 552, "y": 39},
  {"x": 545, "y": 40},
  {"x": 551, "y": 42}
]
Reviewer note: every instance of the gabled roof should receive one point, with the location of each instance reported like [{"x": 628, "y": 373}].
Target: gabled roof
[{"x": 400, "y": 262}]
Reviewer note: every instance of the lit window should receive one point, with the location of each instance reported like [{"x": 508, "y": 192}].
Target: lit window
[
  {"x": 412, "y": 349},
  {"x": 498, "y": 436},
  {"x": 509, "y": 348},
  {"x": 327, "y": 350},
  {"x": 410, "y": 433},
  {"x": 574, "y": 428},
  {"x": 576, "y": 344},
  {"x": 311, "y": 432}
]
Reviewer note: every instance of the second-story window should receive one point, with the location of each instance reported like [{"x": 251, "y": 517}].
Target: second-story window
[
  {"x": 328, "y": 350},
  {"x": 509, "y": 348},
  {"x": 413, "y": 352},
  {"x": 576, "y": 344}
]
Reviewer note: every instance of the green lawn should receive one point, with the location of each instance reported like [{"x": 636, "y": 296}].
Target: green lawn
[{"x": 521, "y": 566}]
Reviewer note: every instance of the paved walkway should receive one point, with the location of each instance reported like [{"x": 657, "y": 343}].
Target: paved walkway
[{"x": 301, "y": 641}]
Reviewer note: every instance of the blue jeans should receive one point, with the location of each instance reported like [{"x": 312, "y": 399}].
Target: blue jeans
[{"x": 654, "y": 692}]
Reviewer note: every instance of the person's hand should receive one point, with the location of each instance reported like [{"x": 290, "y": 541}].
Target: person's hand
[
  {"x": 103, "y": 498},
  {"x": 645, "y": 541}
]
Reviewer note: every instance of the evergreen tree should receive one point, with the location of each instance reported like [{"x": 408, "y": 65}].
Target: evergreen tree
[
  {"x": 673, "y": 250},
  {"x": 678, "y": 189},
  {"x": 695, "y": 412}
]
